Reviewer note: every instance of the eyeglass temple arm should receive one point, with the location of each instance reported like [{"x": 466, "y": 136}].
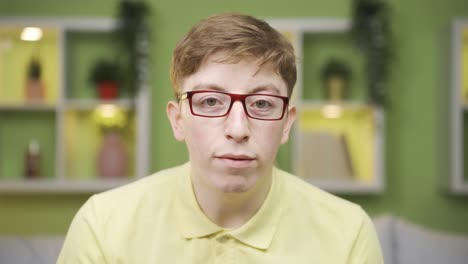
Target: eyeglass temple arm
[{"x": 182, "y": 96}]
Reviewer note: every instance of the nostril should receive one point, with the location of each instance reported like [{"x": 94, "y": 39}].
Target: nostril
[{"x": 237, "y": 130}]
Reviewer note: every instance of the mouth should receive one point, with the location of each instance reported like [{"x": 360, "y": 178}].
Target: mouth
[{"x": 236, "y": 161}]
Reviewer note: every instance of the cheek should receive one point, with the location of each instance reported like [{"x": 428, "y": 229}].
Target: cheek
[
  {"x": 268, "y": 139},
  {"x": 199, "y": 135}
]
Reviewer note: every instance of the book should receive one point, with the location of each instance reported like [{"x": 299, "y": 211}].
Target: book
[{"x": 324, "y": 156}]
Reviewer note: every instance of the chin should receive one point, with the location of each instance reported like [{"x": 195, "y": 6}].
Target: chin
[
  {"x": 233, "y": 189},
  {"x": 233, "y": 184}
]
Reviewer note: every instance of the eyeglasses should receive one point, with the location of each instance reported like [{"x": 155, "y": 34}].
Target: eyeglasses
[{"x": 218, "y": 104}]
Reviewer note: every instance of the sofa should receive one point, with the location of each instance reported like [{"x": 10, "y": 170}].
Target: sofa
[
  {"x": 402, "y": 243},
  {"x": 34, "y": 249}
]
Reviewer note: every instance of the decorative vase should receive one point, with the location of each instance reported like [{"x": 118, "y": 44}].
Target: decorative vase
[
  {"x": 112, "y": 158},
  {"x": 336, "y": 89},
  {"x": 34, "y": 86},
  {"x": 336, "y": 75}
]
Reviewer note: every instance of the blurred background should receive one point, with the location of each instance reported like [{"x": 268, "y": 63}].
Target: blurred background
[{"x": 392, "y": 134}]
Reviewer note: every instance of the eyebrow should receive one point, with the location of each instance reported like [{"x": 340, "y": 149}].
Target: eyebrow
[
  {"x": 262, "y": 88},
  {"x": 269, "y": 88},
  {"x": 208, "y": 87}
]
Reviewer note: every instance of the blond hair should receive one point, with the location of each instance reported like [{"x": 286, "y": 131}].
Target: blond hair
[{"x": 240, "y": 37}]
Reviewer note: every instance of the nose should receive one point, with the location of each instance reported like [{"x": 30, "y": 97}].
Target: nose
[{"x": 237, "y": 124}]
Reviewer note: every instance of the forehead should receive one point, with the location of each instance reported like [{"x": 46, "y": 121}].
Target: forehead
[{"x": 240, "y": 76}]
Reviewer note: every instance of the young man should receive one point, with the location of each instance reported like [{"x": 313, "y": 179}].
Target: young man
[{"x": 232, "y": 75}]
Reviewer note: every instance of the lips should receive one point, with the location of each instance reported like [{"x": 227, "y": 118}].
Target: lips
[
  {"x": 236, "y": 160},
  {"x": 236, "y": 157}
]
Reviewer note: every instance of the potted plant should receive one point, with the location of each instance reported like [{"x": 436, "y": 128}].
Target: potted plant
[
  {"x": 132, "y": 35},
  {"x": 34, "y": 85},
  {"x": 371, "y": 32},
  {"x": 105, "y": 75}
]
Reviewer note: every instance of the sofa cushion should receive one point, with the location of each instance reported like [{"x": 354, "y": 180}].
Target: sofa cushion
[
  {"x": 384, "y": 226},
  {"x": 417, "y": 244},
  {"x": 22, "y": 250}
]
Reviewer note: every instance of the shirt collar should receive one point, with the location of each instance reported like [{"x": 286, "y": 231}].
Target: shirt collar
[
  {"x": 193, "y": 223},
  {"x": 258, "y": 232}
]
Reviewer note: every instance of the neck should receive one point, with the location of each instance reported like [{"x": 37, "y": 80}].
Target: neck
[{"x": 233, "y": 209}]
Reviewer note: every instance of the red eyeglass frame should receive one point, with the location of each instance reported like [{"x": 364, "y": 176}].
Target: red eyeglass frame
[{"x": 234, "y": 98}]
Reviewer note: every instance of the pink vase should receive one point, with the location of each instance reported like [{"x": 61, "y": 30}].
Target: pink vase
[
  {"x": 34, "y": 91},
  {"x": 112, "y": 158}
]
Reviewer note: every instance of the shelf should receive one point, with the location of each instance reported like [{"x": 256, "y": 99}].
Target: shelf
[
  {"x": 460, "y": 188},
  {"x": 15, "y": 62},
  {"x": 91, "y": 104},
  {"x": 69, "y": 118},
  {"x": 55, "y": 186},
  {"x": 457, "y": 183},
  {"x": 322, "y": 103},
  {"x": 336, "y": 145},
  {"x": 84, "y": 136},
  {"x": 349, "y": 187},
  {"x": 95, "y": 24},
  {"x": 84, "y": 49},
  {"x": 320, "y": 48},
  {"x": 27, "y": 107},
  {"x": 17, "y": 128},
  {"x": 339, "y": 148}
]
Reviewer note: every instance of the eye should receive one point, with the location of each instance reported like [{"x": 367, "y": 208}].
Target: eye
[
  {"x": 262, "y": 104},
  {"x": 210, "y": 101}
]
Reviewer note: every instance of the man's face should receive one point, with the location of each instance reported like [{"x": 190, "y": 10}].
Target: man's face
[{"x": 232, "y": 153}]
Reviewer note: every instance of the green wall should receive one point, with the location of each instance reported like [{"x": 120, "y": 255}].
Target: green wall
[{"x": 416, "y": 117}]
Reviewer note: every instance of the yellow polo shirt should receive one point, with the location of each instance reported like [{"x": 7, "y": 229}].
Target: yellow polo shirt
[{"x": 157, "y": 220}]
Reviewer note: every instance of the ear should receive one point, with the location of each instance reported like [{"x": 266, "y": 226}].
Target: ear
[
  {"x": 291, "y": 117},
  {"x": 175, "y": 118}
]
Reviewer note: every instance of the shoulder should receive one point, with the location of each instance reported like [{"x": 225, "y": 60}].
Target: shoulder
[
  {"x": 107, "y": 221},
  {"x": 151, "y": 191},
  {"x": 161, "y": 179},
  {"x": 321, "y": 217},
  {"x": 319, "y": 206},
  {"x": 311, "y": 195}
]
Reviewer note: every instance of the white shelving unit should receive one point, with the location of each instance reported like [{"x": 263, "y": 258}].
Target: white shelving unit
[
  {"x": 458, "y": 181},
  {"x": 295, "y": 30},
  {"x": 139, "y": 105}
]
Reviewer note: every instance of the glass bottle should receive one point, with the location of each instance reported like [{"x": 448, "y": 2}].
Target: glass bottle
[{"x": 32, "y": 160}]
